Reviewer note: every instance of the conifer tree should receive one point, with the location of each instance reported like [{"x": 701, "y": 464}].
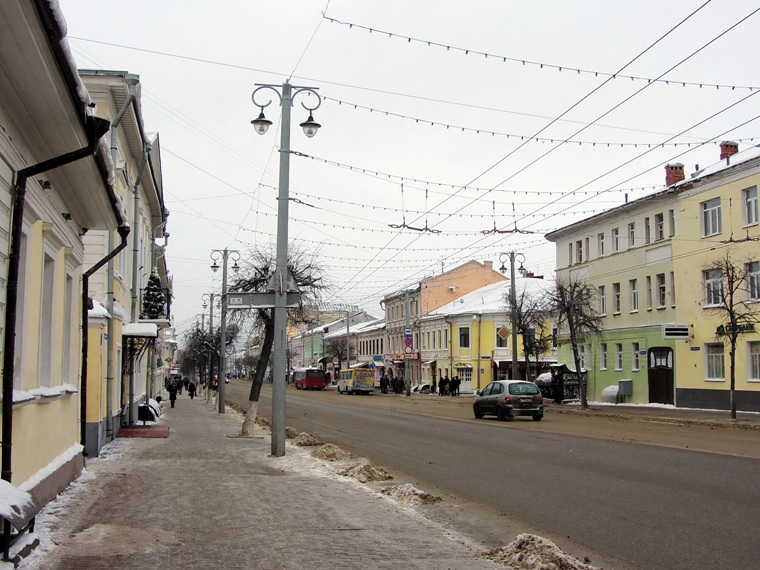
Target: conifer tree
[{"x": 153, "y": 297}]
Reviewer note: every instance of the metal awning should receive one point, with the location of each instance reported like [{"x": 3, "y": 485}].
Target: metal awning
[
  {"x": 502, "y": 364},
  {"x": 428, "y": 362},
  {"x": 462, "y": 365},
  {"x": 140, "y": 330},
  {"x": 360, "y": 365}
]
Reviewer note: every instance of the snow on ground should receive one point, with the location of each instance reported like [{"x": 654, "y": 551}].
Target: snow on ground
[{"x": 526, "y": 552}]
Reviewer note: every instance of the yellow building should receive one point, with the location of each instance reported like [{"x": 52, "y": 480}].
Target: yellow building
[
  {"x": 652, "y": 264},
  {"x": 471, "y": 337},
  {"x": 123, "y": 371},
  {"x": 719, "y": 221},
  {"x": 53, "y": 189}
]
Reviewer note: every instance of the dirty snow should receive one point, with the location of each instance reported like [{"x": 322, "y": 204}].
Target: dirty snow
[
  {"x": 408, "y": 494},
  {"x": 331, "y": 452},
  {"x": 531, "y": 552},
  {"x": 364, "y": 473}
]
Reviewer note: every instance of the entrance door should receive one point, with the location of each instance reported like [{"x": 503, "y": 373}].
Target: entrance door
[{"x": 661, "y": 376}]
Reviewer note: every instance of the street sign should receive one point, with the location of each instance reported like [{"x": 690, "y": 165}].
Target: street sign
[{"x": 264, "y": 300}]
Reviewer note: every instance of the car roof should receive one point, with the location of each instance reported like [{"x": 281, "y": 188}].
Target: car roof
[{"x": 506, "y": 382}]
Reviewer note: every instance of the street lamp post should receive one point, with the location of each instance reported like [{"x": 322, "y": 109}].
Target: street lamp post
[
  {"x": 224, "y": 254},
  {"x": 281, "y": 282},
  {"x": 512, "y": 256},
  {"x": 208, "y": 301}
]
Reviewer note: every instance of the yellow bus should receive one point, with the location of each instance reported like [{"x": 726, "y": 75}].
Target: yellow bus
[{"x": 356, "y": 381}]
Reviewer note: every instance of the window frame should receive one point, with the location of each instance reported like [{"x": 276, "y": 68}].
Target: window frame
[
  {"x": 615, "y": 240},
  {"x": 711, "y": 216},
  {"x": 632, "y": 235},
  {"x": 750, "y": 206},
  {"x": 712, "y": 280},
  {"x": 603, "y": 356},
  {"x": 618, "y": 357},
  {"x": 662, "y": 298},
  {"x": 616, "y": 301},
  {"x": 712, "y": 362},
  {"x": 753, "y": 281},
  {"x": 602, "y": 300},
  {"x": 635, "y": 357},
  {"x": 633, "y": 286}
]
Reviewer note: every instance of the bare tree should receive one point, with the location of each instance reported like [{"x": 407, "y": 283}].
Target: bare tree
[
  {"x": 256, "y": 271},
  {"x": 728, "y": 297},
  {"x": 337, "y": 347},
  {"x": 573, "y": 303}
]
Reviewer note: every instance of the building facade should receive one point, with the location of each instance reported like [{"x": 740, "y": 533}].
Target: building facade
[{"x": 651, "y": 262}]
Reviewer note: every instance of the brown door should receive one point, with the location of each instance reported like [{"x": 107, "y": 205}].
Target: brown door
[{"x": 661, "y": 376}]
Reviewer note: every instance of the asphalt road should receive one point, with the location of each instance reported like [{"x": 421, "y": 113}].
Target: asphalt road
[{"x": 636, "y": 505}]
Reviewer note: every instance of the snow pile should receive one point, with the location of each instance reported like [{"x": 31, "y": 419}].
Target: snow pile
[
  {"x": 531, "y": 552},
  {"x": 364, "y": 473},
  {"x": 331, "y": 452},
  {"x": 263, "y": 422},
  {"x": 409, "y": 494},
  {"x": 291, "y": 433},
  {"x": 305, "y": 439}
]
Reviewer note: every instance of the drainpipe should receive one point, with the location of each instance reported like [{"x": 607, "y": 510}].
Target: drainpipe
[
  {"x": 123, "y": 233},
  {"x": 131, "y": 81},
  {"x": 135, "y": 251},
  {"x": 479, "y": 316},
  {"x": 96, "y": 128}
]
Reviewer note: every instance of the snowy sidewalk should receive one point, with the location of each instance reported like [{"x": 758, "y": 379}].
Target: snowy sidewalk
[{"x": 201, "y": 499}]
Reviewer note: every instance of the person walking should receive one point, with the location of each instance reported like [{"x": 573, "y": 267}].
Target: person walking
[
  {"x": 191, "y": 389},
  {"x": 172, "y": 392}
]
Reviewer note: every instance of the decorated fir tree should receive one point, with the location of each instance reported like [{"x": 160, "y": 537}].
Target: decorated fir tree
[{"x": 153, "y": 298}]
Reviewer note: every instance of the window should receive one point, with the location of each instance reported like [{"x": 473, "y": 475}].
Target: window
[
  {"x": 671, "y": 223},
  {"x": 502, "y": 337},
  {"x": 753, "y": 280},
  {"x": 713, "y": 287},
  {"x": 618, "y": 356},
  {"x": 659, "y": 227},
  {"x": 749, "y": 197},
  {"x": 661, "y": 291},
  {"x": 649, "y": 293},
  {"x": 647, "y": 231},
  {"x": 711, "y": 217},
  {"x": 582, "y": 355},
  {"x": 603, "y": 356},
  {"x": 579, "y": 251},
  {"x": 602, "y": 301},
  {"x": 570, "y": 253},
  {"x": 754, "y": 360},
  {"x": 615, "y": 240},
  {"x": 633, "y": 285},
  {"x": 635, "y": 363},
  {"x": 600, "y": 244},
  {"x": 616, "y": 298},
  {"x": 631, "y": 234},
  {"x": 439, "y": 339},
  {"x": 588, "y": 248},
  {"x": 672, "y": 289},
  {"x": 714, "y": 355}
]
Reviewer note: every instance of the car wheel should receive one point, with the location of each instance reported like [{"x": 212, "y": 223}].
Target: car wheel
[
  {"x": 538, "y": 417},
  {"x": 478, "y": 414},
  {"x": 501, "y": 414}
]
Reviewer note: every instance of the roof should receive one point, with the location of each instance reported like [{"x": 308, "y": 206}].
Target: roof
[
  {"x": 699, "y": 176},
  {"x": 491, "y": 299}
]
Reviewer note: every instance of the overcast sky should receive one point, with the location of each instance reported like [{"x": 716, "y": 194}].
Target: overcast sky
[{"x": 455, "y": 118}]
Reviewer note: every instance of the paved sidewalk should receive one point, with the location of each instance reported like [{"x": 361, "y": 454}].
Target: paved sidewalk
[{"x": 201, "y": 499}]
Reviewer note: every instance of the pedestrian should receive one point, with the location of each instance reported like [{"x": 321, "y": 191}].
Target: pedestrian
[
  {"x": 384, "y": 384},
  {"x": 444, "y": 385},
  {"x": 173, "y": 393},
  {"x": 191, "y": 389},
  {"x": 433, "y": 387},
  {"x": 454, "y": 388}
]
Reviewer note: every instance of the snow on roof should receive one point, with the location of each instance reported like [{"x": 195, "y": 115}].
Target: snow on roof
[
  {"x": 356, "y": 328},
  {"x": 492, "y": 298},
  {"x": 738, "y": 158},
  {"x": 140, "y": 329},
  {"x": 98, "y": 311}
]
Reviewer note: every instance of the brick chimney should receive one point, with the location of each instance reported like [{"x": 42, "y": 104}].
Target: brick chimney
[
  {"x": 488, "y": 264},
  {"x": 674, "y": 173},
  {"x": 727, "y": 150}
]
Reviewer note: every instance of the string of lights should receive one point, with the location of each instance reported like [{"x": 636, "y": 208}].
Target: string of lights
[
  {"x": 539, "y": 64},
  {"x": 542, "y": 140}
]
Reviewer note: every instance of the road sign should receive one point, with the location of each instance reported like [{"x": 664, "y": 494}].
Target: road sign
[{"x": 263, "y": 300}]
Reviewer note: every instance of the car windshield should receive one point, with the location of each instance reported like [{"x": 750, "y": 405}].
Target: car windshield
[{"x": 523, "y": 388}]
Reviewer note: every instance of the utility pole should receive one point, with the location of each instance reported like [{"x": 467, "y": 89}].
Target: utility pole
[{"x": 407, "y": 355}]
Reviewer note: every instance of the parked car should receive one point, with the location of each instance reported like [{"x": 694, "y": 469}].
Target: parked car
[{"x": 506, "y": 399}]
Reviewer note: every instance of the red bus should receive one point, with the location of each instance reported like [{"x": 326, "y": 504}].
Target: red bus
[{"x": 309, "y": 378}]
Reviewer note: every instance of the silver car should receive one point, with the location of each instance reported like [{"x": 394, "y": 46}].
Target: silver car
[{"x": 506, "y": 399}]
